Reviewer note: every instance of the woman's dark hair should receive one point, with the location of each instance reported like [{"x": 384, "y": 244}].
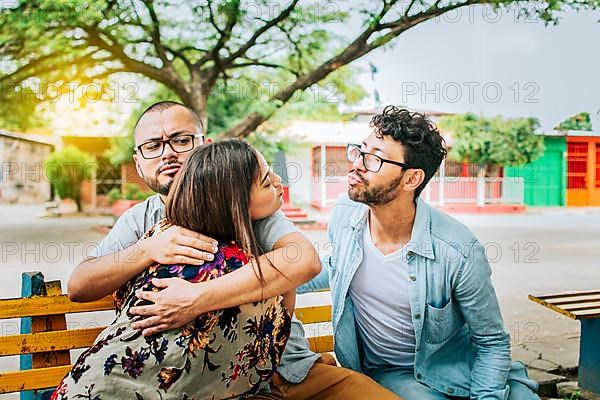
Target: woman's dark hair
[
  {"x": 424, "y": 147},
  {"x": 211, "y": 193}
]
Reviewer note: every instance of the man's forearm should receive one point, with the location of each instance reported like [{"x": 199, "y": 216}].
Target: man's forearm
[
  {"x": 295, "y": 266},
  {"x": 318, "y": 283},
  {"x": 491, "y": 367},
  {"x": 97, "y": 277}
]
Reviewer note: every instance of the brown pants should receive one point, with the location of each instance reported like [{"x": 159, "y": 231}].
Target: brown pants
[{"x": 327, "y": 381}]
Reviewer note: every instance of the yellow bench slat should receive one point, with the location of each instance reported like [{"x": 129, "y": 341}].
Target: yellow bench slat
[
  {"x": 552, "y": 306},
  {"x": 584, "y": 306},
  {"x": 48, "y": 341},
  {"x": 585, "y": 314},
  {"x": 568, "y": 294},
  {"x": 313, "y": 315},
  {"x": 50, "y": 305},
  {"x": 321, "y": 344},
  {"x": 575, "y": 300},
  {"x": 577, "y": 310},
  {"x": 41, "y": 378}
]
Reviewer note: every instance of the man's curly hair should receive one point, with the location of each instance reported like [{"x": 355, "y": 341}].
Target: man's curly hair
[{"x": 424, "y": 147}]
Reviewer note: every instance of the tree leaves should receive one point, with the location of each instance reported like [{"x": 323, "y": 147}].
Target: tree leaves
[{"x": 493, "y": 141}]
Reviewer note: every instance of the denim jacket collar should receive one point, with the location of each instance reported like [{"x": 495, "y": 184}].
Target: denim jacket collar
[{"x": 420, "y": 240}]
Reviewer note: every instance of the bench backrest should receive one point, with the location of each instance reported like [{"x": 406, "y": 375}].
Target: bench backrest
[
  {"x": 575, "y": 305},
  {"x": 50, "y": 340}
]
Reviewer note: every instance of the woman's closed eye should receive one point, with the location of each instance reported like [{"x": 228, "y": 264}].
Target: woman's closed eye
[{"x": 269, "y": 179}]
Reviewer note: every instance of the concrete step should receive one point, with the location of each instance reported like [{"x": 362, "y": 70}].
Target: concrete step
[
  {"x": 547, "y": 381},
  {"x": 294, "y": 213},
  {"x": 290, "y": 207}
]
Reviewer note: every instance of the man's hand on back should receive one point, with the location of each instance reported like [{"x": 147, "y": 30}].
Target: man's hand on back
[
  {"x": 177, "y": 245},
  {"x": 173, "y": 306}
]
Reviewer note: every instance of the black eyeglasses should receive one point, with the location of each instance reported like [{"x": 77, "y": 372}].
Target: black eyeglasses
[
  {"x": 156, "y": 148},
  {"x": 371, "y": 162}
]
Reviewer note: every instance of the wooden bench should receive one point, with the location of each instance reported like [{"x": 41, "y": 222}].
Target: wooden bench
[
  {"x": 584, "y": 307},
  {"x": 45, "y": 341}
]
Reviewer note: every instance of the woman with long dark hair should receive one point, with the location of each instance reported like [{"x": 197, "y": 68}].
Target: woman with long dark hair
[{"x": 223, "y": 354}]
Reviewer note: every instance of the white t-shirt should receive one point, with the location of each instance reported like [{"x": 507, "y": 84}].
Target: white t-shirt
[{"x": 379, "y": 292}]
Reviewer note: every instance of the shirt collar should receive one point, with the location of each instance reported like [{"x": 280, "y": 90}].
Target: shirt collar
[{"x": 420, "y": 240}]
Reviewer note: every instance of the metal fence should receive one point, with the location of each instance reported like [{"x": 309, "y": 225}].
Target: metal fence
[{"x": 474, "y": 190}]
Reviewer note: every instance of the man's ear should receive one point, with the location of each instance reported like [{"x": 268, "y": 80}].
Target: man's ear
[
  {"x": 207, "y": 140},
  {"x": 137, "y": 166},
  {"x": 414, "y": 179}
]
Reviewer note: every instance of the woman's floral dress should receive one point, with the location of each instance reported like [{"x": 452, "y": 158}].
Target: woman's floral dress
[{"x": 224, "y": 354}]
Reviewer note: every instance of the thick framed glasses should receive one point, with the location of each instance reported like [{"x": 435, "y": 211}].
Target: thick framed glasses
[
  {"x": 156, "y": 148},
  {"x": 371, "y": 162}
]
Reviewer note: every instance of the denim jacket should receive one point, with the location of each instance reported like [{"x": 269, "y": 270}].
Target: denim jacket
[{"x": 462, "y": 347}]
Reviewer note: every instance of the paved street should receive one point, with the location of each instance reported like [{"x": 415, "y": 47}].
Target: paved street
[{"x": 531, "y": 253}]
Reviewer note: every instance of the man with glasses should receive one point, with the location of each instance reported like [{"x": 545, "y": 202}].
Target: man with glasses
[
  {"x": 413, "y": 303},
  {"x": 164, "y": 136}
]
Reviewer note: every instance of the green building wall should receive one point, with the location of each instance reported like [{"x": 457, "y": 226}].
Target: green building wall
[{"x": 546, "y": 178}]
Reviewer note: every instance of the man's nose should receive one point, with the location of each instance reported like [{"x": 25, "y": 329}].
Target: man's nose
[
  {"x": 359, "y": 163},
  {"x": 168, "y": 152}
]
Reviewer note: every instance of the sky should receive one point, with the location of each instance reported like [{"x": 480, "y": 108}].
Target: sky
[{"x": 491, "y": 64}]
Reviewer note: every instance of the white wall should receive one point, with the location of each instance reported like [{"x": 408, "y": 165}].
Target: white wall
[{"x": 298, "y": 166}]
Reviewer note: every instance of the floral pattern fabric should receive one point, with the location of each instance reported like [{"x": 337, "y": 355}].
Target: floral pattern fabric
[{"x": 224, "y": 354}]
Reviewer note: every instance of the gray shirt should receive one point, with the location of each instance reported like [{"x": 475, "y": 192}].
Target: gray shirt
[{"x": 297, "y": 358}]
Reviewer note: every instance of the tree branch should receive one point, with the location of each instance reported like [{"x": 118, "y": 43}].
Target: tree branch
[
  {"x": 224, "y": 37},
  {"x": 211, "y": 18},
  {"x": 252, "y": 41},
  {"x": 31, "y": 65},
  {"x": 300, "y": 56},
  {"x": 263, "y": 64},
  {"x": 155, "y": 34},
  {"x": 412, "y": 2},
  {"x": 165, "y": 76},
  {"x": 45, "y": 64}
]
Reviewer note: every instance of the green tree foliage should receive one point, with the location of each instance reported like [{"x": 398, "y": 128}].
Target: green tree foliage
[
  {"x": 195, "y": 47},
  {"x": 579, "y": 122},
  {"x": 494, "y": 141},
  {"x": 18, "y": 110},
  {"x": 67, "y": 169}
]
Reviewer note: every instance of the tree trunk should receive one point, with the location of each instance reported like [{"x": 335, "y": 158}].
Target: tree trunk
[
  {"x": 492, "y": 170},
  {"x": 481, "y": 189},
  {"x": 198, "y": 104}
]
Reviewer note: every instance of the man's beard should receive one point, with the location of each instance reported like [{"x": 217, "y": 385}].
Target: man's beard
[
  {"x": 155, "y": 185},
  {"x": 375, "y": 195},
  {"x": 160, "y": 188}
]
